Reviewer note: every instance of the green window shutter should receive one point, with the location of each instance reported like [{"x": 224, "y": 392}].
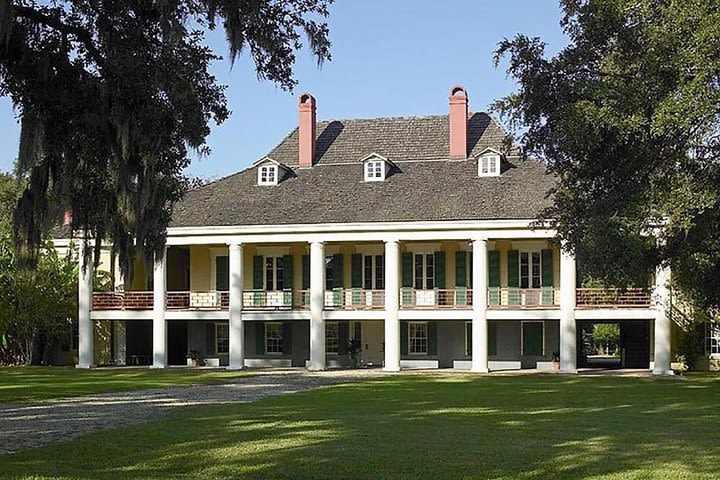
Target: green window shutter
[
  {"x": 492, "y": 339},
  {"x": 407, "y": 269},
  {"x": 468, "y": 335},
  {"x": 547, "y": 277},
  {"x": 470, "y": 269},
  {"x": 432, "y": 339},
  {"x": 356, "y": 270},
  {"x": 440, "y": 270},
  {"x": 209, "y": 339},
  {"x": 337, "y": 265},
  {"x": 260, "y": 338},
  {"x": 288, "y": 276},
  {"x": 532, "y": 338},
  {"x": 222, "y": 273},
  {"x": 343, "y": 337},
  {"x": 494, "y": 277},
  {"x": 513, "y": 265},
  {"x": 403, "y": 338},
  {"x": 258, "y": 273},
  {"x": 287, "y": 338},
  {"x": 460, "y": 269},
  {"x": 305, "y": 272}
]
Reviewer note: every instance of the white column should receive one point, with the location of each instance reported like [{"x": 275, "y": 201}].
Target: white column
[
  {"x": 317, "y": 304},
  {"x": 159, "y": 325},
  {"x": 568, "y": 329},
  {"x": 480, "y": 301},
  {"x": 392, "y": 305},
  {"x": 237, "y": 332},
  {"x": 86, "y": 351},
  {"x": 662, "y": 322}
]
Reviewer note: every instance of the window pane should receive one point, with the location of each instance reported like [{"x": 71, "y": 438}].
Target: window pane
[
  {"x": 535, "y": 269},
  {"x": 331, "y": 337},
  {"x": 368, "y": 273},
  {"x": 493, "y": 165},
  {"x": 269, "y": 273},
  {"x": 524, "y": 270},
  {"x": 222, "y": 338},
  {"x": 417, "y": 338},
  {"x": 430, "y": 271},
  {"x": 484, "y": 161},
  {"x": 279, "y": 282},
  {"x": 379, "y": 272},
  {"x": 419, "y": 271},
  {"x": 273, "y": 338}
]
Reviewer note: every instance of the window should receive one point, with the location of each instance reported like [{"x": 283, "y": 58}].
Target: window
[
  {"x": 373, "y": 274},
  {"x": 417, "y": 338},
  {"x": 533, "y": 338},
  {"x": 222, "y": 338},
  {"x": 374, "y": 170},
  {"x": 274, "y": 275},
  {"x": 273, "y": 338},
  {"x": 268, "y": 175},
  {"x": 332, "y": 338},
  {"x": 530, "y": 269},
  {"x": 424, "y": 271},
  {"x": 489, "y": 166},
  {"x": 330, "y": 269},
  {"x": 712, "y": 338}
]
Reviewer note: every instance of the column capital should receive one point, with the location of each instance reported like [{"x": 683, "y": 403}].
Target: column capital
[
  {"x": 317, "y": 243},
  {"x": 484, "y": 240},
  {"x": 234, "y": 245},
  {"x": 391, "y": 241}
]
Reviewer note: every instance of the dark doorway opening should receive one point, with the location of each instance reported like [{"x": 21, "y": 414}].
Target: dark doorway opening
[
  {"x": 139, "y": 342},
  {"x": 177, "y": 340},
  {"x": 613, "y": 344}
]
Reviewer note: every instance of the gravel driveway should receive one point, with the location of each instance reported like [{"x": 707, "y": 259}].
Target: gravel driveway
[{"x": 33, "y": 424}]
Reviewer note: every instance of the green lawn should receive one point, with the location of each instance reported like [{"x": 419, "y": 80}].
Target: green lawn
[
  {"x": 419, "y": 427},
  {"x": 40, "y": 383}
]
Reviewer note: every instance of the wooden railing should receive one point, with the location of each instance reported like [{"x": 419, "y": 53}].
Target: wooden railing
[
  {"x": 122, "y": 300},
  {"x": 435, "y": 299},
  {"x": 613, "y": 298},
  {"x": 510, "y": 298},
  {"x": 276, "y": 299},
  {"x": 354, "y": 299}
]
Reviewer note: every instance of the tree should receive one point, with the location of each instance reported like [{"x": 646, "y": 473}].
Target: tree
[
  {"x": 627, "y": 117},
  {"x": 607, "y": 335},
  {"x": 112, "y": 94}
]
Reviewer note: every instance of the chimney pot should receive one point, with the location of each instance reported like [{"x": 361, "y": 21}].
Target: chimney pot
[
  {"x": 307, "y": 127},
  {"x": 458, "y": 122}
]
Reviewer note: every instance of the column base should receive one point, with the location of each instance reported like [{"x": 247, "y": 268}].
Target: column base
[
  {"x": 391, "y": 369},
  {"x": 158, "y": 367},
  {"x": 568, "y": 371},
  {"x": 665, "y": 373},
  {"x": 84, "y": 366},
  {"x": 231, "y": 367}
]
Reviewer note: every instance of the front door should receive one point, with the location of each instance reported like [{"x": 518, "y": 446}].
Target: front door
[
  {"x": 373, "y": 337},
  {"x": 635, "y": 343},
  {"x": 177, "y": 342}
]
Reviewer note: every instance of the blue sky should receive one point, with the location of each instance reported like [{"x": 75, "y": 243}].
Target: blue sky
[{"x": 390, "y": 58}]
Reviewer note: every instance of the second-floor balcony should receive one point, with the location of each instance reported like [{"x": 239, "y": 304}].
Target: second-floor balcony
[{"x": 498, "y": 298}]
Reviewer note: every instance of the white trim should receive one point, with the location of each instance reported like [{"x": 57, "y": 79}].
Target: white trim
[
  {"x": 369, "y": 170},
  {"x": 373, "y": 156},
  {"x": 417, "y": 364},
  {"x": 272, "y": 174},
  {"x": 274, "y": 251}
]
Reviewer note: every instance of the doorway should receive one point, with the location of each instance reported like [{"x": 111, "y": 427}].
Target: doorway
[
  {"x": 177, "y": 341},
  {"x": 613, "y": 344},
  {"x": 373, "y": 343}
]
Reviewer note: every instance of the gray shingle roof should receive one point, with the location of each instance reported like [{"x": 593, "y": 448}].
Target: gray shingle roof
[{"x": 423, "y": 186}]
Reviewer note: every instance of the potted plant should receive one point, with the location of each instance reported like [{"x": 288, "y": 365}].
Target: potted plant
[
  {"x": 556, "y": 361},
  {"x": 354, "y": 347},
  {"x": 195, "y": 358}
]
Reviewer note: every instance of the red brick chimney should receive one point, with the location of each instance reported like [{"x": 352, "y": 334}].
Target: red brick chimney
[
  {"x": 458, "y": 122},
  {"x": 307, "y": 130}
]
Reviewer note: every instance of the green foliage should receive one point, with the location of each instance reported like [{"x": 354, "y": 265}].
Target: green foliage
[
  {"x": 627, "y": 117},
  {"x": 690, "y": 345},
  {"x": 36, "y": 306},
  {"x": 112, "y": 95}
]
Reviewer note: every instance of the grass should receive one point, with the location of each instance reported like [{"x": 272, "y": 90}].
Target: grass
[
  {"x": 419, "y": 427},
  {"x": 42, "y": 383}
]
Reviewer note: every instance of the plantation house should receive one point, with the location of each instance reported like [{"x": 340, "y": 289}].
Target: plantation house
[{"x": 411, "y": 236}]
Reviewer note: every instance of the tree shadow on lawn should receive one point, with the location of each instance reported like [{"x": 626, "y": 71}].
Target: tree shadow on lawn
[{"x": 419, "y": 427}]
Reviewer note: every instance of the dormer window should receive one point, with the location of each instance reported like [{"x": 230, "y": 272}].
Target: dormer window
[
  {"x": 489, "y": 163},
  {"x": 268, "y": 175},
  {"x": 374, "y": 171},
  {"x": 376, "y": 167}
]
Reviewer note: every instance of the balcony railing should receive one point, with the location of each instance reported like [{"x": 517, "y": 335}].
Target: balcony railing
[
  {"x": 198, "y": 300},
  {"x": 435, "y": 299},
  {"x": 354, "y": 299},
  {"x": 511, "y": 298},
  {"x": 276, "y": 299},
  {"x": 613, "y": 298},
  {"x": 122, "y": 301}
]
